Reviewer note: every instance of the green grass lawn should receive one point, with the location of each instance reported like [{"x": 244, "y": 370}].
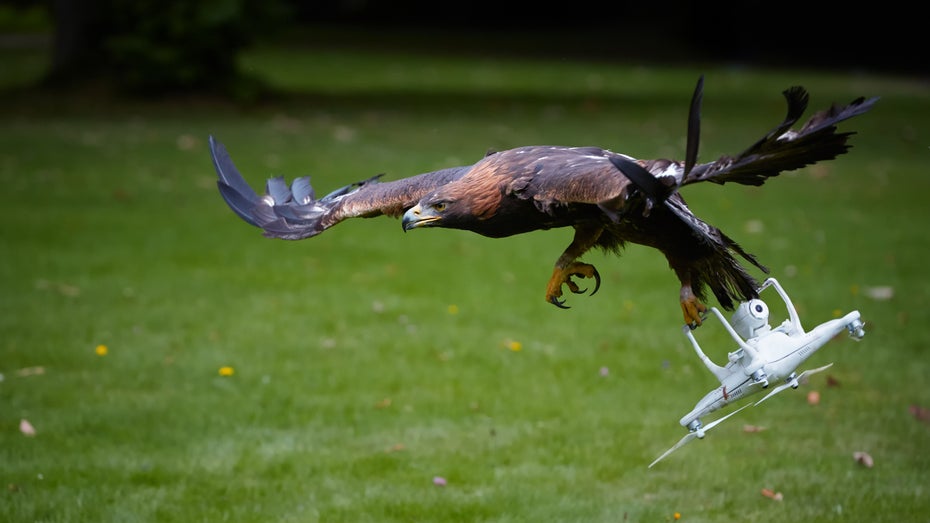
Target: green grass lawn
[{"x": 367, "y": 362}]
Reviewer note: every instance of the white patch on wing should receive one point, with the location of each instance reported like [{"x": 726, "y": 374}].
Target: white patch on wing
[
  {"x": 627, "y": 156},
  {"x": 674, "y": 170}
]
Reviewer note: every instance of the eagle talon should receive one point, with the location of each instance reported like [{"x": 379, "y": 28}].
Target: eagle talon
[
  {"x": 597, "y": 280},
  {"x": 692, "y": 308},
  {"x": 558, "y": 303},
  {"x": 572, "y": 286},
  {"x": 563, "y": 276}
]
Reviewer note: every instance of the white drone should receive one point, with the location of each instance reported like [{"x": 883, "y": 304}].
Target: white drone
[{"x": 764, "y": 354}]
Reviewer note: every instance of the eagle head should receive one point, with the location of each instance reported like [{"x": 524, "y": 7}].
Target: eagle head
[
  {"x": 468, "y": 204},
  {"x": 436, "y": 211}
]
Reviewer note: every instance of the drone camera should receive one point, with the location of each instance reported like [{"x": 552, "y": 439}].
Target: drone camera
[{"x": 751, "y": 318}]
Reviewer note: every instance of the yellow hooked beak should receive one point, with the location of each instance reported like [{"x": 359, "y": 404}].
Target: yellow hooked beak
[{"x": 417, "y": 216}]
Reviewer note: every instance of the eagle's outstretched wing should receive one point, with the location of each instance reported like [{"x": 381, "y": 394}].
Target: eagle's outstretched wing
[
  {"x": 294, "y": 213},
  {"x": 581, "y": 176},
  {"x": 781, "y": 149},
  {"x": 784, "y": 149}
]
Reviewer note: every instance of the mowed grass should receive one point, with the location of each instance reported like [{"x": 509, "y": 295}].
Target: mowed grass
[{"x": 368, "y": 365}]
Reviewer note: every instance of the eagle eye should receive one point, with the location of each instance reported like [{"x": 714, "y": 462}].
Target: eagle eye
[{"x": 439, "y": 206}]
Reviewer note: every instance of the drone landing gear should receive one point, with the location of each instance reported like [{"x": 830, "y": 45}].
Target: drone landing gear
[
  {"x": 697, "y": 428},
  {"x": 759, "y": 376},
  {"x": 793, "y": 381},
  {"x": 856, "y": 330}
]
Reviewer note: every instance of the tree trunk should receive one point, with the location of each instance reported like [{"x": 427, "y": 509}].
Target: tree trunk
[{"x": 77, "y": 41}]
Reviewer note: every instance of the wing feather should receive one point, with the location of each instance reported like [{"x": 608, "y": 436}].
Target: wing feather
[
  {"x": 784, "y": 149},
  {"x": 293, "y": 213},
  {"x": 391, "y": 198},
  {"x": 553, "y": 175},
  {"x": 237, "y": 193}
]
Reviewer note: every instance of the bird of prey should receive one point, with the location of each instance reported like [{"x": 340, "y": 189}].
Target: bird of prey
[{"x": 609, "y": 199}]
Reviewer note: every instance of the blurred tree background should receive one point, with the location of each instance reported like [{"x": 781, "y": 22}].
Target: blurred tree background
[{"x": 148, "y": 47}]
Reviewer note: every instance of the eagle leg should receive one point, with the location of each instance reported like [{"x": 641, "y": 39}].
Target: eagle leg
[
  {"x": 691, "y": 306},
  {"x": 566, "y": 267}
]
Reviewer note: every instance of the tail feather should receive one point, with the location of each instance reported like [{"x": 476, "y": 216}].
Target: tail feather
[
  {"x": 717, "y": 266},
  {"x": 783, "y": 149},
  {"x": 727, "y": 279}
]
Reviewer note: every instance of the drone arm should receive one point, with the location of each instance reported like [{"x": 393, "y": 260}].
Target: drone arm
[
  {"x": 739, "y": 341},
  {"x": 792, "y": 381},
  {"x": 792, "y": 312},
  {"x": 719, "y": 372},
  {"x": 691, "y": 435}
]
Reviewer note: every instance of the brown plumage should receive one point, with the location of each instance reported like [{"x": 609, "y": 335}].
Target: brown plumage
[{"x": 608, "y": 198}]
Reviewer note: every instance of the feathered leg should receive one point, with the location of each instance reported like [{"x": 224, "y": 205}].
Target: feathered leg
[{"x": 567, "y": 266}]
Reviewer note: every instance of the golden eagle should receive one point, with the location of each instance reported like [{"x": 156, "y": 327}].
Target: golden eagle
[{"x": 608, "y": 198}]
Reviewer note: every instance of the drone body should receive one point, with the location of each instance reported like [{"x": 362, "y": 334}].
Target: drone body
[{"x": 764, "y": 354}]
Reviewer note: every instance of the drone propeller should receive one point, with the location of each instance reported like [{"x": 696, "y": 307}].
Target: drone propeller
[
  {"x": 785, "y": 385},
  {"x": 691, "y": 435}
]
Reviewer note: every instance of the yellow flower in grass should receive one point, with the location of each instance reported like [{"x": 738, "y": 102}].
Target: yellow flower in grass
[
  {"x": 101, "y": 350},
  {"x": 227, "y": 371},
  {"x": 515, "y": 346}
]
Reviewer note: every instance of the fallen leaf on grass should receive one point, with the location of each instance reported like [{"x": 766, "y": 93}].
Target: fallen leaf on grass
[
  {"x": 754, "y": 226},
  {"x": 187, "y": 142},
  {"x": 920, "y": 413},
  {"x": 832, "y": 382},
  {"x": 880, "y": 293},
  {"x": 65, "y": 289},
  {"x": 813, "y": 397},
  {"x": 820, "y": 171},
  {"x": 771, "y": 494},
  {"x": 30, "y": 371},
  {"x": 26, "y": 428},
  {"x": 383, "y": 404},
  {"x": 863, "y": 459},
  {"x": 752, "y": 428}
]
